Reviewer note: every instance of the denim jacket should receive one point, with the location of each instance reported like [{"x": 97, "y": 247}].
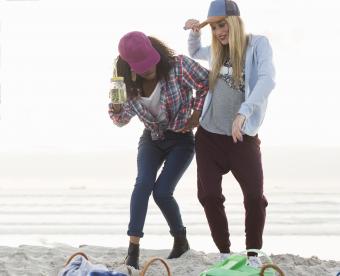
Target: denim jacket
[{"x": 259, "y": 78}]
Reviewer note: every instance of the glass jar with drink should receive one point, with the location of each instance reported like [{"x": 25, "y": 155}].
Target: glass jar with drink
[{"x": 118, "y": 90}]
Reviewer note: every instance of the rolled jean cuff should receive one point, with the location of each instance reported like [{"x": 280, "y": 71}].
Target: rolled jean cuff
[{"x": 135, "y": 234}]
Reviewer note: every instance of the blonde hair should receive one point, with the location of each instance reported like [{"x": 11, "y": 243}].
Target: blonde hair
[{"x": 234, "y": 51}]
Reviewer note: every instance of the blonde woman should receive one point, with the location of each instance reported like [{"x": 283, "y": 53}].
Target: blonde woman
[{"x": 240, "y": 81}]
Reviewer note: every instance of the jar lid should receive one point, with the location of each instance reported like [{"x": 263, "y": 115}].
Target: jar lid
[{"x": 117, "y": 78}]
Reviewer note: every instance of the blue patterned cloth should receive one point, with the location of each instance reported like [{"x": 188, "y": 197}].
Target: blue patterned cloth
[{"x": 80, "y": 266}]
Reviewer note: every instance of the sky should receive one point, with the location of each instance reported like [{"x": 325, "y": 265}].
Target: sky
[{"x": 57, "y": 59}]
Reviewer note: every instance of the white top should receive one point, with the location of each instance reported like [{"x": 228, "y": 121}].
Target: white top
[{"x": 152, "y": 103}]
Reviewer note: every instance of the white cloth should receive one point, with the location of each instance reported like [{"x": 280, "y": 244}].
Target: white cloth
[{"x": 152, "y": 103}]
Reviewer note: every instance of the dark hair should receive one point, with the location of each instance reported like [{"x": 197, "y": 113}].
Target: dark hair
[{"x": 134, "y": 88}]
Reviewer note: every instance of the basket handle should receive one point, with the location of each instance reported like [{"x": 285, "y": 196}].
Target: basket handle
[
  {"x": 149, "y": 262},
  {"x": 275, "y": 267},
  {"x": 76, "y": 254}
]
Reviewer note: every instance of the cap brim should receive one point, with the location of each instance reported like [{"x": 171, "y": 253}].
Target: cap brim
[{"x": 211, "y": 19}]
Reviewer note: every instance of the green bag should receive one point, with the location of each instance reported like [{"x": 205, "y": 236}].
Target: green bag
[{"x": 237, "y": 265}]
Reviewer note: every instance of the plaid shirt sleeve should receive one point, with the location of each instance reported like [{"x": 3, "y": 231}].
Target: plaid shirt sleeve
[
  {"x": 196, "y": 77},
  {"x": 124, "y": 116}
]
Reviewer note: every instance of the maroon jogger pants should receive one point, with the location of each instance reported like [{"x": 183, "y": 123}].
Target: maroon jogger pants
[{"x": 216, "y": 155}]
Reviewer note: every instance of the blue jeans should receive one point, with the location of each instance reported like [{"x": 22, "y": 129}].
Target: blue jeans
[{"x": 176, "y": 151}]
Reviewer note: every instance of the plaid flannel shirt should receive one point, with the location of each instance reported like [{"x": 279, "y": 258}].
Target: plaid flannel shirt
[{"x": 176, "y": 99}]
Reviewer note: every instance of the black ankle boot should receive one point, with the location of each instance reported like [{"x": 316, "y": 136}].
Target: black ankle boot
[
  {"x": 180, "y": 246},
  {"x": 132, "y": 259}
]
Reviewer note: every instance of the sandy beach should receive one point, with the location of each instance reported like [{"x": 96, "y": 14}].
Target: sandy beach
[
  {"x": 67, "y": 173},
  {"x": 60, "y": 201},
  {"x": 37, "y": 260}
]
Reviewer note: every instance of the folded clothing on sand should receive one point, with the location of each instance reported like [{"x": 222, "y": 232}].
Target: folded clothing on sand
[{"x": 79, "y": 265}]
